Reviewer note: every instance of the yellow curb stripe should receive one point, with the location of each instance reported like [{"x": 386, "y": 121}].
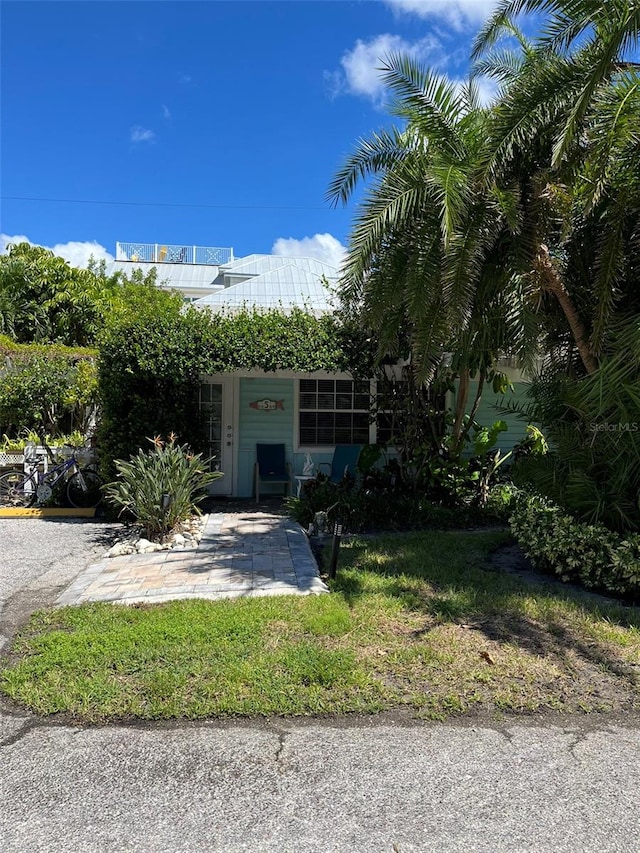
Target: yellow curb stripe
[{"x": 47, "y": 512}]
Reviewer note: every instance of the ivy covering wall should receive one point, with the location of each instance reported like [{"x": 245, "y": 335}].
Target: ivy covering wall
[{"x": 150, "y": 366}]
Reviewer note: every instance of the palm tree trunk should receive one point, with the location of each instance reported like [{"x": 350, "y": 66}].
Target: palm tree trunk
[
  {"x": 476, "y": 403},
  {"x": 552, "y": 282},
  {"x": 461, "y": 430},
  {"x": 462, "y": 395}
]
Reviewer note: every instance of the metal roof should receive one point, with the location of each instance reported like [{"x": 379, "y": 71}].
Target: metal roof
[
  {"x": 259, "y": 264},
  {"x": 172, "y": 275},
  {"x": 286, "y": 287}
]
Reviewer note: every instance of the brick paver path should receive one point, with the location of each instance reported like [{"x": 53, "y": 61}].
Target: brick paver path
[{"x": 240, "y": 554}]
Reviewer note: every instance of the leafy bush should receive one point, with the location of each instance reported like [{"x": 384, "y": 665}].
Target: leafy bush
[
  {"x": 589, "y": 553},
  {"x": 47, "y": 392},
  {"x": 360, "y": 509},
  {"x": 592, "y": 424},
  {"x": 26, "y": 436},
  {"x": 167, "y": 470},
  {"x": 45, "y": 299}
]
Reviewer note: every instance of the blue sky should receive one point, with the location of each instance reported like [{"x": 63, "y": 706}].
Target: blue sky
[{"x": 219, "y": 123}]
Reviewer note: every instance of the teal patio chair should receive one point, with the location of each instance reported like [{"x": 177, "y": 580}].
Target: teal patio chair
[
  {"x": 344, "y": 462},
  {"x": 271, "y": 467}
]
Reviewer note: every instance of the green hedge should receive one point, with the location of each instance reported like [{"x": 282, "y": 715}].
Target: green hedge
[
  {"x": 20, "y": 353},
  {"x": 588, "y": 553},
  {"x": 46, "y": 386},
  {"x": 150, "y": 366}
]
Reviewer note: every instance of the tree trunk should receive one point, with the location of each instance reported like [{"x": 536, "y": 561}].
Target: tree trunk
[
  {"x": 463, "y": 430},
  {"x": 462, "y": 395},
  {"x": 476, "y": 402},
  {"x": 552, "y": 282}
]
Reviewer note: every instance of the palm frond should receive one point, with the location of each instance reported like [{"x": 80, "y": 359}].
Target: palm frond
[
  {"x": 431, "y": 103},
  {"x": 382, "y": 151}
]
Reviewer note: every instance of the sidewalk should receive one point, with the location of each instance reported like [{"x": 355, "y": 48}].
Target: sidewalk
[{"x": 239, "y": 555}]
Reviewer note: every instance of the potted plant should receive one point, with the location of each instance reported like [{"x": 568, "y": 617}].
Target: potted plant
[{"x": 12, "y": 452}]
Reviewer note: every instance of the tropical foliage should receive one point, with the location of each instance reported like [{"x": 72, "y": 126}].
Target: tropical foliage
[
  {"x": 46, "y": 388},
  {"x": 43, "y": 299},
  {"x": 426, "y": 257},
  {"x": 577, "y": 88},
  {"x": 589, "y": 553},
  {"x": 163, "y": 487},
  {"x": 49, "y": 311},
  {"x": 514, "y": 228}
]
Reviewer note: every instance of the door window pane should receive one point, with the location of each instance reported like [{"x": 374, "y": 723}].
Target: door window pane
[{"x": 211, "y": 408}]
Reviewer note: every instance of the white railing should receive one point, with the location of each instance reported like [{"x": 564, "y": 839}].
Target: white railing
[{"x": 165, "y": 253}]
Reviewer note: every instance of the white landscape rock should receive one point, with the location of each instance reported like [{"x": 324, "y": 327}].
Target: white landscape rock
[
  {"x": 188, "y": 537},
  {"x": 121, "y": 549},
  {"x": 144, "y": 546}
]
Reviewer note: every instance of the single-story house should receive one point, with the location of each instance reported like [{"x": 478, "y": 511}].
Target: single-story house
[{"x": 308, "y": 413}]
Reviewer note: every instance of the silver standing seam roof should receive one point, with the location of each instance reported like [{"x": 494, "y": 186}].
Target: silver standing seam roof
[
  {"x": 286, "y": 287},
  {"x": 267, "y": 281},
  {"x": 172, "y": 275},
  {"x": 259, "y": 264}
]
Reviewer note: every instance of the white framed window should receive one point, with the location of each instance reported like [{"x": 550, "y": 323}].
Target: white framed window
[{"x": 333, "y": 411}]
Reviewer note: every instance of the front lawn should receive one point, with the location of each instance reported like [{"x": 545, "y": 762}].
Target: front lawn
[{"x": 420, "y": 621}]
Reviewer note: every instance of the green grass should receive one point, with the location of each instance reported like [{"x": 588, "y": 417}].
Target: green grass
[{"x": 420, "y": 621}]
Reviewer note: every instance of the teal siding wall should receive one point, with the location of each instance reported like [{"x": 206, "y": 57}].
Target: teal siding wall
[
  {"x": 488, "y": 414},
  {"x": 278, "y": 426},
  {"x": 259, "y": 427}
]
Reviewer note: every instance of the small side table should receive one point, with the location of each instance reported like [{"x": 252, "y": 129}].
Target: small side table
[{"x": 301, "y": 478}]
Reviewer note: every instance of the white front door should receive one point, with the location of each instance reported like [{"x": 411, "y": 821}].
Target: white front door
[{"x": 216, "y": 405}]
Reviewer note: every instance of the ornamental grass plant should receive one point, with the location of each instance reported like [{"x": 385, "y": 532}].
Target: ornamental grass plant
[{"x": 162, "y": 487}]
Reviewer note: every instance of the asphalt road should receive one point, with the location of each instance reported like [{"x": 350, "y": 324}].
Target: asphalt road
[
  {"x": 39, "y": 557},
  {"x": 287, "y": 786}
]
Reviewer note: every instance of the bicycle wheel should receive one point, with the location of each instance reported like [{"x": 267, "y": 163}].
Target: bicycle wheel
[
  {"x": 84, "y": 489},
  {"x": 17, "y": 489}
]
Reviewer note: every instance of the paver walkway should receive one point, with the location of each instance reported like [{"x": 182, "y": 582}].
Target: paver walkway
[{"x": 240, "y": 554}]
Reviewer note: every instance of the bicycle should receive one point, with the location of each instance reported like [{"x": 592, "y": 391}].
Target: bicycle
[{"x": 83, "y": 486}]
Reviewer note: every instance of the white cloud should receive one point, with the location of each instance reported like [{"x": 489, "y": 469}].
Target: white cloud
[
  {"x": 360, "y": 74},
  {"x": 487, "y": 89},
  {"x": 323, "y": 247},
  {"x": 457, "y": 13},
  {"x": 166, "y": 112},
  {"x": 78, "y": 253},
  {"x": 6, "y": 240},
  {"x": 75, "y": 252},
  {"x": 141, "y": 134}
]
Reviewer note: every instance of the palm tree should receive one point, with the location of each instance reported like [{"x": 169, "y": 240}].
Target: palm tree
[
  {"x": 583, "y": 46},
  {"x": 426, "y": 253},
  {"x": 576, "y": 90}
]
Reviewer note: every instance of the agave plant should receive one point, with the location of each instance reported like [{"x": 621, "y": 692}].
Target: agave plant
[{"x": 161, "y": 487}]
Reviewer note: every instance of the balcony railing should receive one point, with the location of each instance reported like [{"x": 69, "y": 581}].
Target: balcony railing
[{"x": 163, "y": 253}]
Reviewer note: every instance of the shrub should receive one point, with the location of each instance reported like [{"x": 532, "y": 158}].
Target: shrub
[
  {"x": 589, "y": 553},
  {"x": 44, "y": 387},
  {"x": 361, "y": 510},
  {"x": 167, "y": 470},
  {"x": 149, "y": 369}
]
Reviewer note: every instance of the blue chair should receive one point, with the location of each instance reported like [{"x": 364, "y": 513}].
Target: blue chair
[
  {"x": 271, "y": 467},
  {"x": 344, "y": 462}
]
